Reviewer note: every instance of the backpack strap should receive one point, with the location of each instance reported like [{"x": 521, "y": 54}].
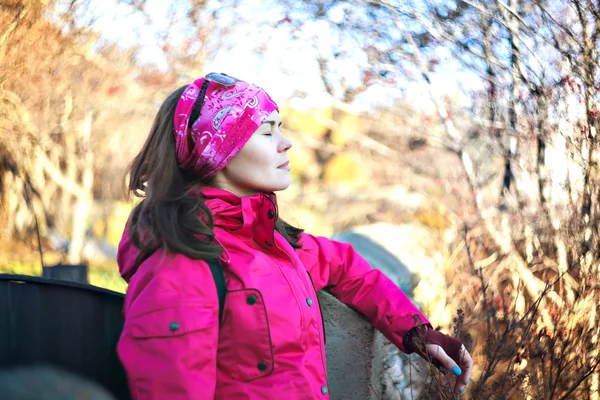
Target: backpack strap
[{"x": 219, "y": 278}]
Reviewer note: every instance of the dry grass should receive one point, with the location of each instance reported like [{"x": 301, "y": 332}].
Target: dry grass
[{"x": 524, "y": 347}]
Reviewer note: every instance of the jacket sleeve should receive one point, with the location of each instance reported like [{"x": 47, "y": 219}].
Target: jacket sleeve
[
  {"x": 349, "y": 277},
  {"x": 169, "y": 341}
]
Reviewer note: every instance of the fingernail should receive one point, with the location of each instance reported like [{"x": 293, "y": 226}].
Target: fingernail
[
  {"x": 462, "y": 390},
  {"x": 456, "y": 371},
  {"x": 468, "y": 380}
]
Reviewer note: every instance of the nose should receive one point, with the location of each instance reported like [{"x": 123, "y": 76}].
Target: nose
[{"x": 284, "y": 144}]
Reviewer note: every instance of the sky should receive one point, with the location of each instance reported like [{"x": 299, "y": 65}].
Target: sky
[{"x": 284, "y": 68}]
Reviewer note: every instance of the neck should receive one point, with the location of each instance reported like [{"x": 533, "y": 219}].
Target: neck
[{"x": 240, "y": 192}]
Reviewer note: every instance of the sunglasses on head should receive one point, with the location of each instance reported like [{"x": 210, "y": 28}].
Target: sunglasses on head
[{"x": 221, "y": 79}]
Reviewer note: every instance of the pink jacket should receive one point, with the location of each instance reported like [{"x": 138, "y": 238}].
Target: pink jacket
[{"x": 271, "y": 342}]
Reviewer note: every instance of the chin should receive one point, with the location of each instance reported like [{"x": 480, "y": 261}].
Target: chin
[
  {"x": 278, "y": 187},
  {"x": 281, "y": 188}
]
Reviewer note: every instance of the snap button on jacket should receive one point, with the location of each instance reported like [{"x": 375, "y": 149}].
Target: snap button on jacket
[{"x": 271, "y": 343}]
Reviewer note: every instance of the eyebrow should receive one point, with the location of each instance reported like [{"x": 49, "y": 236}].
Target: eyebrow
[{"x": 272, "y": 123}]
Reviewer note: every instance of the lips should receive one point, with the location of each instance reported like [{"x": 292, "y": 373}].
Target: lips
[{"x": 285, "y": 165}]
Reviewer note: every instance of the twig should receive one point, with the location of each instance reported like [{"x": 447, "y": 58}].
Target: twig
[{"x": 27, "y": 192}]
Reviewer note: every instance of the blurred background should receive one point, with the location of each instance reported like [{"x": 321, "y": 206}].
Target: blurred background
[{"x": 462, "y": 135}]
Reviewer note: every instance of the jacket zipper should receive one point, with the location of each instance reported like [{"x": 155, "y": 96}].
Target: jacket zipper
[{"x": 322, "y": 330}]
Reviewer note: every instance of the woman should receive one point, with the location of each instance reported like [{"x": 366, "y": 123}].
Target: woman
[{"x": 207, "y": 174}]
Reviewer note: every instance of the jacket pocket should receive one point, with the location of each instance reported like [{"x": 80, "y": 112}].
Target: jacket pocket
[
  {"x": 173, "y": 321},
  {"x": 245, "y": 345},
  {"x": 170, "y": 351}
]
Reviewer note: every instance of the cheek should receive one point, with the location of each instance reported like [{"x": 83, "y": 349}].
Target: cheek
[
  {"x": 252, "y": 160},
  {"x": 257, "y": 159},
  {"x": 256, "y": 154}
]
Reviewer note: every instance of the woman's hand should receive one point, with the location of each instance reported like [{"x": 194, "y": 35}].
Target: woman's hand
[
  {"x": 445, "y": 352},
  {"x": 461, "y": 368}
]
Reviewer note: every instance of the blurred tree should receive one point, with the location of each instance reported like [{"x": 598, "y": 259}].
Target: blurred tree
[
  {"x": 50, "y": 77},
  {"x": 362, "y": 39},
  {"x": 72, "y": 104},
  {"x": 540, "y": 62}
]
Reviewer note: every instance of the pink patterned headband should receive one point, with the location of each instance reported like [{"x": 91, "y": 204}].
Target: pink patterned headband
[{"x": 228, "y": 118}]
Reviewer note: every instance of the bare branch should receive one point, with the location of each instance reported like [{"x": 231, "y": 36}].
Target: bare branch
[
  {"x": 563, "y": 28},
  {"x": 57, "y": 176}
]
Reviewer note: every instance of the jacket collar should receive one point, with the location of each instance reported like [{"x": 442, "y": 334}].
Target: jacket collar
[{"x": 232, "y": 212}]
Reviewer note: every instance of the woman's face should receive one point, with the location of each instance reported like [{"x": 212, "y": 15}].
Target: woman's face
[{"x": 262, "y": 165}]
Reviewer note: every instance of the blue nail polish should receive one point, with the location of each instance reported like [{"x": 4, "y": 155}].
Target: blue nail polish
[
  {"x": 462, "y": 390},
  {"x": 456, "y": 371},
  {"x": 468, "y": 380}
]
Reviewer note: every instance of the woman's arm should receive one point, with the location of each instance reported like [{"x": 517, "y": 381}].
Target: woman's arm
[
  {"x": 349, "y": 277},
  {"x": 169, "y": 342}
]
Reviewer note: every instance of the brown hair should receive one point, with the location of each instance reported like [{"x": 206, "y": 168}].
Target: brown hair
[{"x": 172, "y": 214}]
